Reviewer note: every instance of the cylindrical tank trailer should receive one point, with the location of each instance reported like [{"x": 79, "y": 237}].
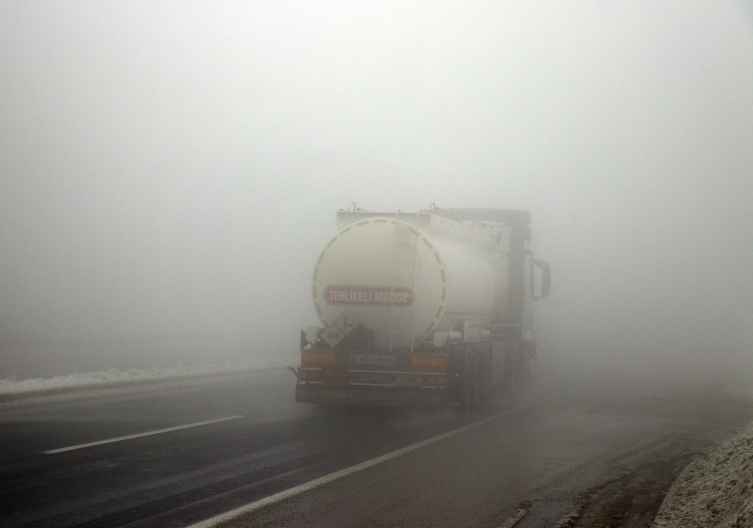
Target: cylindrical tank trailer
[
  {"x": 396, "y": 292},
  {"x": 403, "y": 284}
]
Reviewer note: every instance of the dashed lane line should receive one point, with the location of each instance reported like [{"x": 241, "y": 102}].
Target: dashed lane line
[{"x": 139, "y": 435}]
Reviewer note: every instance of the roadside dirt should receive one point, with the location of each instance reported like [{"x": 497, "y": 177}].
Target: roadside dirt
[{"x": 633, "y": 499}]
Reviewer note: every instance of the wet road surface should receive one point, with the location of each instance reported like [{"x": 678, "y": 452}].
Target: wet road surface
[
  {"x": 216, "y": 447},
  {"x": 545, "y": 457},
  {"x": 265, "y": 443}
]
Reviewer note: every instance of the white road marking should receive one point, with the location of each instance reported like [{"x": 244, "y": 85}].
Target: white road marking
[
  {"x": 511, "y": 521},
  {"x": 139, "y": 435},
  {"x": 278, "y": 497}
]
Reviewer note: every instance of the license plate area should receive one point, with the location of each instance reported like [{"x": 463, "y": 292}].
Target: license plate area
[
  {"x": 372, "y": 378},
  {"x": 334, "y": 376}
]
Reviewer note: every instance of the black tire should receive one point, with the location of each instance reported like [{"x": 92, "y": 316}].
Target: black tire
[
  {"x": 467, "y": 392},
  {"x": 511, "y": 386},
  {"x": 482, "y": 384},
  {"x": 475, "y": 381}
]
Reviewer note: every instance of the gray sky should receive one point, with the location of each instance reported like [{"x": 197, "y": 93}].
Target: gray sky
[{"x": 173, "y": 168}]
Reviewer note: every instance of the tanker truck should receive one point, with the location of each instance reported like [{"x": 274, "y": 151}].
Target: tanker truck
[{"x": 427, "y": 308}]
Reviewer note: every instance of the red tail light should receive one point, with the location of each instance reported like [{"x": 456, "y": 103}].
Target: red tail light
[{"x": 309, "y": 375}]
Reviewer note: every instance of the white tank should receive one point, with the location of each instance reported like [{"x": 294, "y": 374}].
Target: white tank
[{"x": 405, "y": 282}]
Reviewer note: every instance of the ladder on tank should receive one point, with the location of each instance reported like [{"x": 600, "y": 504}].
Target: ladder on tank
[{"x": 403, "y": 275}]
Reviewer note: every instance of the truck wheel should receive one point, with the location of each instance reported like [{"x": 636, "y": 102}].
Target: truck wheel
[
  {"x": 482, "y": 387},
  {"x": 467, "y": 392},
  {"x": 512, "y": 377}
]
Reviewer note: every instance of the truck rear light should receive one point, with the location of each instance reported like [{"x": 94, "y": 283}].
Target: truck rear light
[
  {"x": 437, "y": 381},
  {"x": 309, "y": 375}
]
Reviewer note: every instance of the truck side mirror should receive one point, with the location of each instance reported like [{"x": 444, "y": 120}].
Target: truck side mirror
[{"x": 546, "y": 279}]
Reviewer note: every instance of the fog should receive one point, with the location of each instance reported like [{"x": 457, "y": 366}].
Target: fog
[{"x": 170, "y": 171}]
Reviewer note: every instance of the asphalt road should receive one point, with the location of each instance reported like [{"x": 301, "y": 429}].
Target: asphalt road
[
  {"x": 178, "y": 477},
  {"x": 561, "y": 441}
]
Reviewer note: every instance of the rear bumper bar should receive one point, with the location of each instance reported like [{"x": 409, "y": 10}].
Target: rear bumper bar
[{"x": 309, "y": 393}]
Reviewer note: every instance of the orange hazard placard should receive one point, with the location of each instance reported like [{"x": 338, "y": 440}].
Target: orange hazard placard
[
  {"x": 318, "y": 357},
  {"x": 432, "y": 362}
]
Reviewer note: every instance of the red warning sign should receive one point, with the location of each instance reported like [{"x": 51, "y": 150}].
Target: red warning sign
[{"x": 400, "y": 296}]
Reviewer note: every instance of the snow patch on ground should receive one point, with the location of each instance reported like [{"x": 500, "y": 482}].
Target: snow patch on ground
[
  {"x": 714, "y": 490},
  {"x": 113, "y": 375}
]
